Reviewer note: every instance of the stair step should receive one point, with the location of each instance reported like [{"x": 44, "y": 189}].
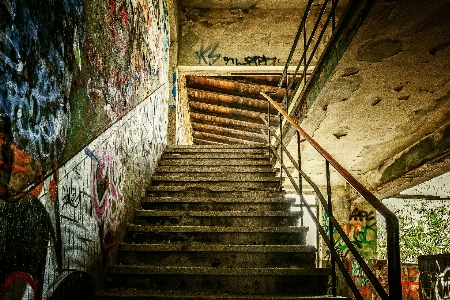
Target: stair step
[
  {"x": 216, "y": 192},
  {"x": 133, "y": 294},
  {"x": 256, "y": 204},
  {"x": 218, "y": 235},
  {"x": 175, "y": 270},
  {"x": 220, "y": 177},
  {"x": 200, "y": 189},
  {"x": 287, "y": 281},
  {"x": 215, "y": 155},
  {"x": 209, "y": 148},
  {"x": 229, "y": 169},
  {"x": 215, "y": 162},
  {"x": 204, "y": 255},
  {"x": 216, "y": 218}
]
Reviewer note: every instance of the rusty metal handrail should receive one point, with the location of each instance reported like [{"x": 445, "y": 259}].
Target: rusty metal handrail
[{"x": 392, "y": 225}]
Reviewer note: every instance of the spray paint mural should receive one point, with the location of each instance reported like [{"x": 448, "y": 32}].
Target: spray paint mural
[{"x": 83, "y": 118}]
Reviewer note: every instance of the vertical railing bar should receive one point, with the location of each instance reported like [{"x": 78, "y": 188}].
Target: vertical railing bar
[
  {"x": 322, "y": 32},
  {"x": 331, "y": 230},
  {"x": 333, "y": 16},
  {"x": 316, "y": 25},
  {"x": 305, "y": 48},
  {"x": 300, "y": 180},
  {"x": 341, "y": 265},
  {"x": 281, "y": 152},
  {"x": 294, "y": 45},
  {"x": 268, "y": 126}
]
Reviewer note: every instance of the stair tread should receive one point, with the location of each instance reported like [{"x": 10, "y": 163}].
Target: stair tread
[
  {"x": 219, "y": 177},
  {"x": 181, "y": 213},
  {"x": 159, "y": 228},
  {"x": 200, "y": 247},
  {"x": 175, "y": 270}
]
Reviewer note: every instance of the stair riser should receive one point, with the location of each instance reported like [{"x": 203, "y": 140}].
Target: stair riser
[
  {"x": 223, "y": 238},
  {"x": 218, "y": 259},
  {"x": 242, "y": 284},
  {"x": 257, "y": 207},
  {"x": 217, "y": 184},
  {"x": 218, "y": 221},
  {"x": 203, "y": 192}
]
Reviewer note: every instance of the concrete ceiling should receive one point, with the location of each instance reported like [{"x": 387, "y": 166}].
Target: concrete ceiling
[{"x": 386, "y": 108}]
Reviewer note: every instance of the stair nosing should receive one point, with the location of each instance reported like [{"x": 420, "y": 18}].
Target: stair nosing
[{"x": 227, "y": 271}]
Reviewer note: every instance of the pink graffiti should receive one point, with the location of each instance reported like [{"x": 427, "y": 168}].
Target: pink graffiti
[
  {"x": 19, "y": 276},
  {"x": 106, "y": 183}
]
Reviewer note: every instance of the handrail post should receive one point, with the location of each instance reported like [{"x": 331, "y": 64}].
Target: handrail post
[
  {"x": 331, "y": 230},
  {"x": 300, "y": 183}
]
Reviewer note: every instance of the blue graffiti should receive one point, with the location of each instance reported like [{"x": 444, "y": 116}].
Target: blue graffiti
[{"x": 36, "y": 60}]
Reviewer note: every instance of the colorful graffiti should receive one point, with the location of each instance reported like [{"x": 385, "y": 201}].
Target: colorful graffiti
[
  {"x": 36, "y": 73},
  {"x": 66, "y": 84},
  {"x": 361, "y": 230}
]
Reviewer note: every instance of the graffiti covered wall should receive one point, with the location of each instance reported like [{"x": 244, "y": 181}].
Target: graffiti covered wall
[{"x": 83, "y": 120}]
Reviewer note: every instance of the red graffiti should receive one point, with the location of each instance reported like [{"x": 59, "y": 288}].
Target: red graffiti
[
  {"x": 410, "y": 282},
  {"x": 19, "y": 276}
]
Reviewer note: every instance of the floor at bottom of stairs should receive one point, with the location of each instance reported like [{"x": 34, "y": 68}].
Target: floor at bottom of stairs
[{"x": 132, "y": 294}]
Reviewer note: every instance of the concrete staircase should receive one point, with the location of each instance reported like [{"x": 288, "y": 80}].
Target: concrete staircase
[{"x": 214, "y": 225}]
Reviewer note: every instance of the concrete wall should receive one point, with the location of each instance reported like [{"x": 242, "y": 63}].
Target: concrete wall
[
  {"x": 83, "y": 104},
  {"x": 219, "y": 37}
]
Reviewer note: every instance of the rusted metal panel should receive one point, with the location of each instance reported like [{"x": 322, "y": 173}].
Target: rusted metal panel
[
  {"x": 230, "y": 100},
  {"x": 226, "y": 122},
  {"x": 230, "y": 85},
  {"x": 245, "y": 115},
  {"x": 224, "y": 131}
]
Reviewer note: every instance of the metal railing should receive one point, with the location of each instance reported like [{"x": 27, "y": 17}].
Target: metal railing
[
  {"x": 340, "y": 21},
  {"x": 394, "y": 270}
]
